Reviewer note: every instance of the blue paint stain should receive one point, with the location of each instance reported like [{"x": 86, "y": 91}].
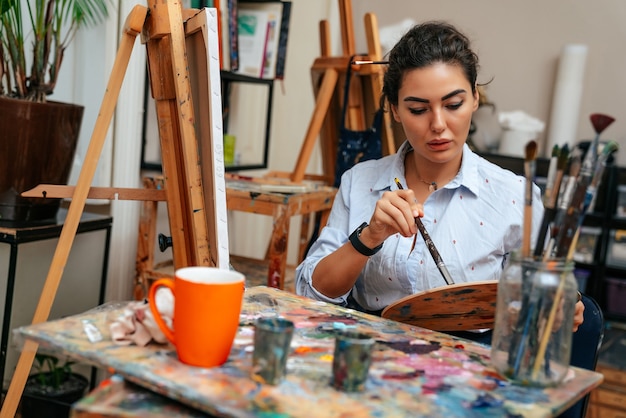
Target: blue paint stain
[
  {"x": 524, "y": 395},
  {"x": 341, "y": 325},
  {"x": 486, "y": 400},
  {"x": 405, "y": 310}
]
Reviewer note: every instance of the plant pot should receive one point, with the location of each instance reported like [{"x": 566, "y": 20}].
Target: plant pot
[
  {"x": 43, "y": 401},
  {"x": 37, "y": 145}
]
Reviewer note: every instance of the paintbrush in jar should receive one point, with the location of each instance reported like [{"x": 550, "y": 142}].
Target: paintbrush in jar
[
  {"x": 558, "y": 162},
  {"x": 529, "y": 171},
  {"x": 549, "y": 208},
  {"x": 528, "y": 306},
  {"x": 587, "y": 202},
  {"x": 573, "y": 213},
  {"x": 590, "y": 197},
  {"x": 564, "y": 202}
]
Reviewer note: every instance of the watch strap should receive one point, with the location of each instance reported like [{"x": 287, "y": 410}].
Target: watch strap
[{"x": 359, "y": 246}]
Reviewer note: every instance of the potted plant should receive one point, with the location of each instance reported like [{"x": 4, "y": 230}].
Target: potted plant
[
  {"x": 38, "y": 137},
  {"x": 52, "y": 389}
]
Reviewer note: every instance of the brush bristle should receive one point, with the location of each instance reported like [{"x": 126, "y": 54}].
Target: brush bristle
[
  {"x": 555, "y": 151},
  {"x": 610, "y": 147},
  {"x": 563, "y": 158},
  {"x": 600, "y": 122},
  {"x": 531, "y": 150}
]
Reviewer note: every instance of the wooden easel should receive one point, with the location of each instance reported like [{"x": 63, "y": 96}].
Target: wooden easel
[
  {"x": 178, "y": 59},
  {"x": 326, "y": 73}
]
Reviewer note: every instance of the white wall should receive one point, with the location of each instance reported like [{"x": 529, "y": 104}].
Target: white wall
[{"x": 519, "y": 44}]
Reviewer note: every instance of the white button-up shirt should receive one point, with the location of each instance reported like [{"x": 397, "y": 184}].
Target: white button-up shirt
[{"x": 475, "y": 221}]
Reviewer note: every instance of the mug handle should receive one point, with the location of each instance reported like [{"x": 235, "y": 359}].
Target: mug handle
[{"x": 169, "y": 334}]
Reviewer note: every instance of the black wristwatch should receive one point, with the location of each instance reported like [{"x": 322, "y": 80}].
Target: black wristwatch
[{"x": 359, "y": 246}]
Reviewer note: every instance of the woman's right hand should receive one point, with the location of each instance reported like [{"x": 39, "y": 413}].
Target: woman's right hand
[{"x": 395, "y": 212}]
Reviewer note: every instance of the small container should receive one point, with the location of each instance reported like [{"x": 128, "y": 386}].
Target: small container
[
  {"x": 616, "y": 252},
  {"x": 351, "y": 360},
  {"x": 586, "y": 245},
  {"x": 272, "y": 342},
  {"x": 532, "y": 336}
]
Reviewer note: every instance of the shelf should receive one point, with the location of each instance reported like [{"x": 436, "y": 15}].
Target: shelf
[
  {"x": 246, "y": 108},
  {"x": 247, "y": 114}
]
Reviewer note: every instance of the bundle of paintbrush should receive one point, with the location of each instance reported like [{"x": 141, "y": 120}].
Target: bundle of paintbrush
[
  {"x": 576, "y": 198},
  {"x": 566, "y": 201}
]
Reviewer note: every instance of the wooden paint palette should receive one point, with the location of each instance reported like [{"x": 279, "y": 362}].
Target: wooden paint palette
[{"x": 457, "y": 307}]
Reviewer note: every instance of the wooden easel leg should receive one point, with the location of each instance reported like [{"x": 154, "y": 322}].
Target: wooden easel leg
[
  {"x": 375, "y": 52},
  {"x": 328, "y": 136},
  {"x": 277, "y": 251},
  {"x": 322, "y": 103},
  {"x": 133, "y": 26},
  {"x": 145, "y": 242}
]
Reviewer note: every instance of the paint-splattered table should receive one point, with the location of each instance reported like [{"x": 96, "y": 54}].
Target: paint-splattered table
[{"x": 415, "y": 372}]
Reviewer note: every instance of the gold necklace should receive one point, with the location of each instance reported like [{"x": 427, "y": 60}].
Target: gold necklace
[{"x": 432, "y": 185}]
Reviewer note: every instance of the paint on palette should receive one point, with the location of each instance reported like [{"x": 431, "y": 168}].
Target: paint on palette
[
  {"x": 410, "y": 347},
  {"x": 396, "y": 375}
]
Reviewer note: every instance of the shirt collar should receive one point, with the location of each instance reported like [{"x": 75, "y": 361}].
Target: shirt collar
[
  {"x": 467, "y": 177},
  {"x": 397, "y": 169}
]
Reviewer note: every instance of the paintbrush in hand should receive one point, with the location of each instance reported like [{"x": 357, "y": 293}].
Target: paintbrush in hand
[{"x": 430, "y": 245}]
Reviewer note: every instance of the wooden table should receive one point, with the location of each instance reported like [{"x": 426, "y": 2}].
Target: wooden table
[
  {"x": 415, "y": 372},
  {"x": 249, "y": 196}
]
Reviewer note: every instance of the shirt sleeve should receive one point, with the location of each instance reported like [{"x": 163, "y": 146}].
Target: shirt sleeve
[{"x": 332, "y": 236}]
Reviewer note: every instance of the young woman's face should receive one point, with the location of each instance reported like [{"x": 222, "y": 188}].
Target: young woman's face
[{"x": 435, "y": 107}]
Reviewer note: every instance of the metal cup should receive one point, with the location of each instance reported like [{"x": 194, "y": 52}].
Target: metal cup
[
  {"x": 351, "y": 361},
  {"x": 272, "y": 341}
]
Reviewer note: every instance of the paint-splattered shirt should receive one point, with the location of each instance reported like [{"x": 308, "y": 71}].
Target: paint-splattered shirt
[{"x": 475, "y": 221}]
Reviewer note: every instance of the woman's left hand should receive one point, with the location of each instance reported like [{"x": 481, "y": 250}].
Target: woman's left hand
[{"x": 578, "y": 315}]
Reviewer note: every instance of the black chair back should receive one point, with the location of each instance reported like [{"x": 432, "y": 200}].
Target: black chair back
[{"x": 586, "y": 344}]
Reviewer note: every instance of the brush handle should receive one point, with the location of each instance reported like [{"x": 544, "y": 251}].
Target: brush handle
[
  {"x": 572, "y": 218},
  {"x": 430, "y": 245},
  {"x": 548, "y": 217},
  {"x": 433, "y": 252},
  {"x": 528, "y": 212}
]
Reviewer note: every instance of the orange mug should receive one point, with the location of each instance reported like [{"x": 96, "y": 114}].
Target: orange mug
[{"x": 207, "y": 304}]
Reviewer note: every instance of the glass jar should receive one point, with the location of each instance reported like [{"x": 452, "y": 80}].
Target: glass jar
[{"x": 532, "y": 338}]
